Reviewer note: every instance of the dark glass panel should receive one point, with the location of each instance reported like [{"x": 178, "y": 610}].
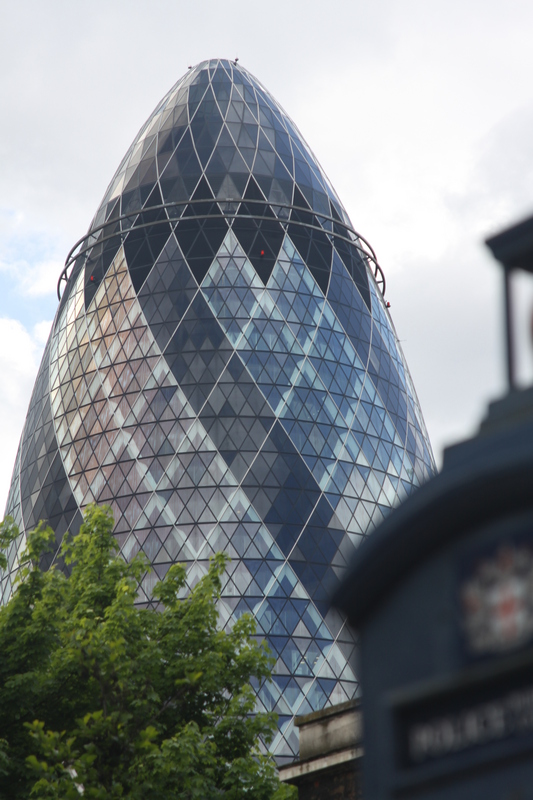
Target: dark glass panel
[
  {"x": 261, "y": 240},
  {"x": 167, "y": 293},
  {"x": 205, "y": 127},
  {"x": 175, "y": 190},
  {"x": 198, "y": 352},
  {"x": 347, "y": 303},
  {"x": 311, "y": 242},
  {"x": 197, "y": 91},
  {"x": 353, "y": 263},
  {"x": 200, "y": 240},
  {"x": 258, "y": 231},
  {"x": 131, "y": 201},
  {"x": 143, "y": 245},
  {"x": 221, "y": 84},
  {"x": 185, "y": 158}
]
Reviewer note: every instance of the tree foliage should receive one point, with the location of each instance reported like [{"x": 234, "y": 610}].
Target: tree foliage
[{"x": 103, "y": 699}]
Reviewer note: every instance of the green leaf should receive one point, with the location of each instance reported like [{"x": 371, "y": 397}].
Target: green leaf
[{"x": 102, "y": 698}]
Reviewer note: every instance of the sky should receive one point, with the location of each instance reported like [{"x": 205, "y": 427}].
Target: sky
[{"x": 420, "y": 112}]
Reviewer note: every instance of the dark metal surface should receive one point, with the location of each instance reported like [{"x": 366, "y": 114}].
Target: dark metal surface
[{"x": 513, "y": 247}]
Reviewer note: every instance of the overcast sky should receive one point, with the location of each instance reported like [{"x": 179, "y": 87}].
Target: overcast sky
[{"x": 420, "y": 112}]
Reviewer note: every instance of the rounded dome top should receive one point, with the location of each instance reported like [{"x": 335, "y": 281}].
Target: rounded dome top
[
  {"x": 218, "y": 150},
  {"x": 219, "y": 122}
]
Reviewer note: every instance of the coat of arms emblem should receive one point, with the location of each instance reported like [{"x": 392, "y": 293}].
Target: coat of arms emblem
[{"x": 497, "y": 600}]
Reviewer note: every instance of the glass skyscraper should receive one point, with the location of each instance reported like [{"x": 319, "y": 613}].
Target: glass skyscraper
[{"x": 223, "y": 371}]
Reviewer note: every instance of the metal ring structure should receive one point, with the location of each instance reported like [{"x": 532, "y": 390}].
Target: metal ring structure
[{"x": 74, "y": 253}]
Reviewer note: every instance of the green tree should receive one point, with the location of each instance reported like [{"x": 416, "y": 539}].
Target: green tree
[{"x": 104, "y": 699}]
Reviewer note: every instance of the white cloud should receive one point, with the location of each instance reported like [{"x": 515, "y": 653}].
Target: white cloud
[
  {"x": 20, "y": 354},
  {"x": 24, "y": 257},
  {"x": 41, "y": 331},
  {"x": 33, "y": 280},
  {"x": 39, "y": 279},
  {"x": 25, "y": 252}
]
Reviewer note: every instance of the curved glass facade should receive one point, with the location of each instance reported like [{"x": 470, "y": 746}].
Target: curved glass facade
[{"x": 223, "y": 371}]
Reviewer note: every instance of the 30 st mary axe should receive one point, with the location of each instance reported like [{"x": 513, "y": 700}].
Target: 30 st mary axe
[{"x": 223, "y": 371}]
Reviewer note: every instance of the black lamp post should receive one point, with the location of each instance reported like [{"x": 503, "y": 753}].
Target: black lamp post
[{"x": 513, "y": 248}]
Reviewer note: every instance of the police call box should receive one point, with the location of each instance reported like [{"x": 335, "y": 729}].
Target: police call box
[{"x": 441, "y": 595}]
